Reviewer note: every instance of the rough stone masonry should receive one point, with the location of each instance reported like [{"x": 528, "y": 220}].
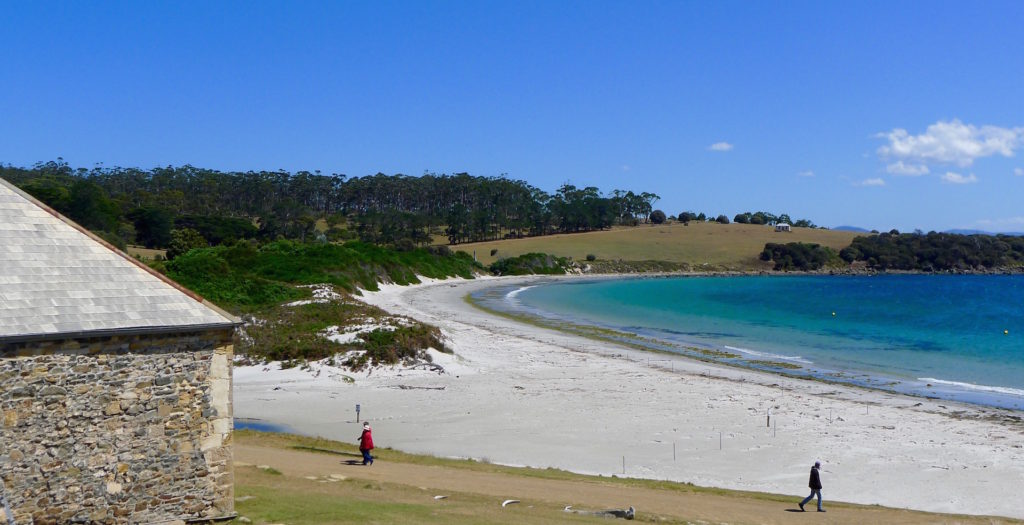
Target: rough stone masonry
[{"x": 117, "y": 429}]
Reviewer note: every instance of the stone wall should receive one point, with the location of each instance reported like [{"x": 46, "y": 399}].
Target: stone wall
[{"x": 121, "y": 429}]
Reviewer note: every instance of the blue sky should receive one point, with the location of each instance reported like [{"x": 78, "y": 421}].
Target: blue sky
[{"x": 876, "y": 114}]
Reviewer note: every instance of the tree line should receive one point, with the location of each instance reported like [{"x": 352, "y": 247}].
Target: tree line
[
  {"x": 918, "y": 252},
  {"x": 936, "y": 251},
  {"x": 764, "y": 217},
  {"x": 136, "y": 206}
]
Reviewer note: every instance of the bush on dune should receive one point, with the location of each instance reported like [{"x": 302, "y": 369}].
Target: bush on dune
[
  {"x": 296, "y": 333},
  {"x": 403, "y": 344},
  {"x": 531, "y": 263}
]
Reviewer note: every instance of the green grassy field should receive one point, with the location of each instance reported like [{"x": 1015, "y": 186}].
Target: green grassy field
[{"x": 702, "y": 245}]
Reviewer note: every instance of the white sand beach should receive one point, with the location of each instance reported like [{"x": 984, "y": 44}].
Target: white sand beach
[{"x": 518, "y": 394}]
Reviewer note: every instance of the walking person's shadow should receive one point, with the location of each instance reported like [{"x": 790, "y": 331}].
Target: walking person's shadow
[{"x": 357, "y": 458}]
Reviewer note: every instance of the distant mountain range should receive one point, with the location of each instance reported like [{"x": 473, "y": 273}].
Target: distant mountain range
[
  {"x": 981, "y": 232},
  {"x": 957, "y": 231}
]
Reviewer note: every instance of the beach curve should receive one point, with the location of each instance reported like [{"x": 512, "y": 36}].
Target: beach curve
[{"x": 525, "y": 395}]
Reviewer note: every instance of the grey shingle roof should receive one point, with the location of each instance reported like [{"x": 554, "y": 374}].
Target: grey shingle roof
[{"x": 57, "y": 279}]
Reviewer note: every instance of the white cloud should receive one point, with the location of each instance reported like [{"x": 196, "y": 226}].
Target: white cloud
[
  {"x": 956, "y": 178},
  {"x": 807, "y": 173},
  {"x": 952, "y": 142},
  {"x": 912, "y": 170},
  {"x": 871, "y": 182},
  {"x": 625, "y": 167},
  {"x": 720, "y": 146},
  {"x": 1019, "y": 172}
]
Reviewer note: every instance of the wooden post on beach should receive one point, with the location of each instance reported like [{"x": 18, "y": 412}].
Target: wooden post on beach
[
  {"x": 673, "y": 451},
  {"x": 623, "y": 465}
]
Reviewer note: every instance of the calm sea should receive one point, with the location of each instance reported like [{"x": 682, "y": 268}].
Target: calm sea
[{"x": 953, "y": 337}]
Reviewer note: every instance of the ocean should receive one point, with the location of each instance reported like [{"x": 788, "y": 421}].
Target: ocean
[{"x": 946, "y": 336}]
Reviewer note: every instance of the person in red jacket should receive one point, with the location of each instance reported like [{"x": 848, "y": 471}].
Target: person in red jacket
[
  {"x": 366, "y": 444},
  {"x": 815, "y": 484}
]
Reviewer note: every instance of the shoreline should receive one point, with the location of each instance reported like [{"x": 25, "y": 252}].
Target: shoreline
[
  {"x": 993, "y": 397},
  {"x": 524, "y": 395}
]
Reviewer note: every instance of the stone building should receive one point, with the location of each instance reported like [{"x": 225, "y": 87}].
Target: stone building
[{"x": 115, "y": 382}]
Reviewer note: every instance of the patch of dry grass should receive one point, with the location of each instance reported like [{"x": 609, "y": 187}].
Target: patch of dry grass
[
  {"x": 702, "y": 245},
  {"x": 147, "y": 254}
]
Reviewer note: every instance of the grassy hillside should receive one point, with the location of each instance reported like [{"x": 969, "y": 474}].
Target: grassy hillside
[{"x": 699, "y": 245}]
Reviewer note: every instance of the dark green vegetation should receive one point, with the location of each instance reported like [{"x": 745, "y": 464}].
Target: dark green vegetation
[
  {"x": 531, "y": 263},
  {"x": 916, "y": 252},
  {"x": 245, "y": 276},
  {"x": 936, "y": 251},
  {"x": 799, "y": 256},
  {"x": 764, "y": 217},
  {"x": 294, "y": 333},
  {"x": 135, "y": 206}
]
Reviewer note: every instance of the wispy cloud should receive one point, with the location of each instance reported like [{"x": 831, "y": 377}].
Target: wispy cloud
[
  {"x": 912, "y": 170},
  {"x": 807, "y": 173},
  {"x": 626, "y": 167},
  {"x": 720, "y": 146},
  {"x": 870, "y": 182},
  {"x": 951, "y": 142},
  {"x": 1019, "y": 172},
  {"x": 1001, "y": 224},
  {"x": 956, "y": 178}
]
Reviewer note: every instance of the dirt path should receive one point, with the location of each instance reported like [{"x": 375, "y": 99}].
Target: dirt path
[{"x": 586, "y": 494}]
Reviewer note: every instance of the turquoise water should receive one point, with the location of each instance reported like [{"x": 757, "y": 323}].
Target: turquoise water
[{"x": 933, "y": 335}]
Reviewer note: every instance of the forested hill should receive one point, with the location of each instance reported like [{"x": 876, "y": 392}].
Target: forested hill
[
  {"x": 936, "y": 252},
  {"x": 136, "y": 206}
]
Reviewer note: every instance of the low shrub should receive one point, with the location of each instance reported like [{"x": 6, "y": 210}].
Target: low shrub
[
  {"x": 531, "y": 263},
  {"x": 799, "y": 256}
]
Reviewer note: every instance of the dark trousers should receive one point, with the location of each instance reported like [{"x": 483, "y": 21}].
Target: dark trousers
[{"x": 367, "y": 458}]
